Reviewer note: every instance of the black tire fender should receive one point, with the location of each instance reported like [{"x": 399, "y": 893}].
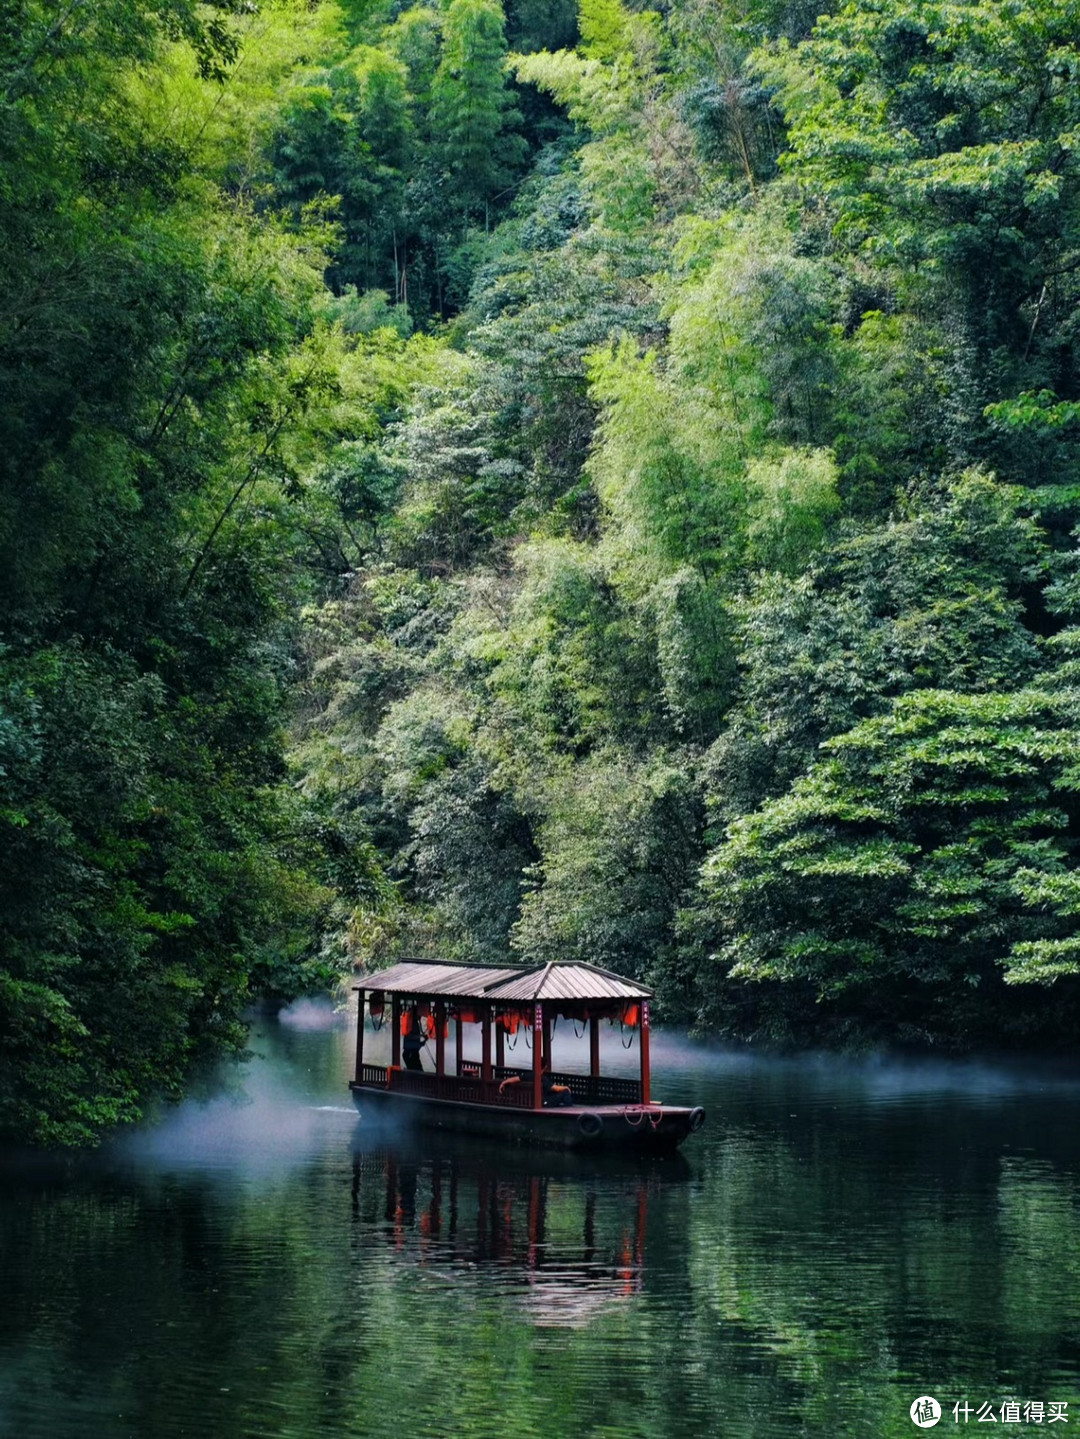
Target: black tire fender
[
  {"x": 591, "y": 1125},
  {"x": 697, "y": 1119}
]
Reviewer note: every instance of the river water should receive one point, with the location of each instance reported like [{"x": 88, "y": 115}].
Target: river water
[{"x": 840, "y": 1239}]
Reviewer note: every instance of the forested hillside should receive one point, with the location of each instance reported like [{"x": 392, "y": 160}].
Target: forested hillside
[{"x": 591, "y": 484}]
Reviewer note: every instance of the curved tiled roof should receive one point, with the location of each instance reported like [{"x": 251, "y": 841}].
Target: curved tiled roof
[{"x": 490, "y": 984}]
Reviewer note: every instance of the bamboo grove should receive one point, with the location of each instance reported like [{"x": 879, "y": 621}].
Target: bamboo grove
[{"x": 588, "y": 483}]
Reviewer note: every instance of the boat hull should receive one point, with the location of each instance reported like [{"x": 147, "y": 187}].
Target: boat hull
[{"x": 654, "y": 1128}]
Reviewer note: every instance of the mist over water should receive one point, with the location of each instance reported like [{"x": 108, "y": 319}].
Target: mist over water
[
  {"x": 266, "y": 1126},
  {"x": 275, "y": 1109},
  {"x": 843, "y": 1236},
  {"x": 314, "y": 1014}
]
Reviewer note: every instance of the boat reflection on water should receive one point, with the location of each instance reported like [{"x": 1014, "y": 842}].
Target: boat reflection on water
[{"x": 570, "y": 1237}]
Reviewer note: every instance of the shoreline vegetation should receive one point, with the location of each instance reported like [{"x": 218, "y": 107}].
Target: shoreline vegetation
[{"x": 560, "y": 481}]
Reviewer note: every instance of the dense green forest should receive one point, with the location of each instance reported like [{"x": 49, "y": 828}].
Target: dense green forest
[{"x": 563, "y": 482}]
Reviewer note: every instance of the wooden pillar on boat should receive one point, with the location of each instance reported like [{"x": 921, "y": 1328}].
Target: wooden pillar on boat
[
  {"x": 547, "y": 1042},
  {"x": 594, "y": 1045},
  {"x": 440, "y": 1038},
  {"x": 645, "y": 1051},
  {"x": 395, "y": 1032},
  {"x": 459, "y": 1042},
  {"x": 485, "y": 1051},
  {"x": 500, "y": 1046},
  {"x": 360, "y": 996},
  {"x": 538, "y": 1055}
]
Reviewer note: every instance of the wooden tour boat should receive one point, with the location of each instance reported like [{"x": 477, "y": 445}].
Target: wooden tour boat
[{"x": 534, "y": 1105}]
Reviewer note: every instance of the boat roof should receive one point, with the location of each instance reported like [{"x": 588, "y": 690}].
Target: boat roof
[{"x": 488, "y": 983}]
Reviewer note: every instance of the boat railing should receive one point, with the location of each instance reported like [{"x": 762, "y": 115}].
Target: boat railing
[
  {"x": 468, "y": 1089},
  {"x": 588, "y": 1088},
  {"x": 510, "y": 1087}
]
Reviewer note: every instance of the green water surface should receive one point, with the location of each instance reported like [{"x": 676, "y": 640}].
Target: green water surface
[{"x": 840, "y": 1238}]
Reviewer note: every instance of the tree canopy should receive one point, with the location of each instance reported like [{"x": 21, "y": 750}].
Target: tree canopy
[{"x": 514, "y": 482}]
